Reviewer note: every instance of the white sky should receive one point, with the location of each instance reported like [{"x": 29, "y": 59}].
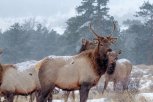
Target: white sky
[{"x": 54, "y": 13}]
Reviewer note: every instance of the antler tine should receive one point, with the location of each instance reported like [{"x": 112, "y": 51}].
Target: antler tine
[
  {"x": 84, "y": 41},
  {"x": 110, "y": 37},
  {"x": 113, "y": 39},
  {"x": 114, "y": 26},
  {"x": 93, "y": 31},
  {"x": 1, "y": 51}
]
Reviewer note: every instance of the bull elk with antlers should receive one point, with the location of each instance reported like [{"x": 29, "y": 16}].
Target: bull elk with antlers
[
  {"x": 118, "y": 70},
  {"x": 79, "y": 72}
]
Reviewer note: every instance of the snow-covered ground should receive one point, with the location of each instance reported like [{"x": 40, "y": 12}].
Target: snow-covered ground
[{"x": 93, "y": 100}]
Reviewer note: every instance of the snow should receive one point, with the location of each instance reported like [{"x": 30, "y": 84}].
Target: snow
[
  {"x": 122, "y": 60},
  {"x": 86, "y": 24},
  {"x": 89, "y": 100},
  {"x": 29, "y": 64},
  {"x": 148, "y": 97},
  {"x": 25, "y": 65},
  {"x": 63, "y": 57},
  {"x": 144, "y": 84},
  {"x": 97, "y": 100}
]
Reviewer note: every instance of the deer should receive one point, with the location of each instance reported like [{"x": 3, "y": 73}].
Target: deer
[
  {"x": 14, "y": 81},
  {"x": 118, "y": 71},
  {"x": 79, "y": 72},
  {"x": 85, "y": 45},
  {"x": 8, "y": 86}
]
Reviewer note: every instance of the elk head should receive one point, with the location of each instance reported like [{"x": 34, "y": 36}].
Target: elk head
[
  {"x": 89, "y": 44},
  {"x": 112, "y": 58},
  {"x": 108, "y": 39},
  {"x": 102, "y": 41}
]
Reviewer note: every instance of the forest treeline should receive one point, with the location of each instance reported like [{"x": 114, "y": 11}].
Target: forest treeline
[{"x": 33, "y": 41}]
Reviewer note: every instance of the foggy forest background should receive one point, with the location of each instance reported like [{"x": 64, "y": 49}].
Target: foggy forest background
[{"x": 33, "y": 41}]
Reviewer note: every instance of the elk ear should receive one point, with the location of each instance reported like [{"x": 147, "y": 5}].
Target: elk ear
[{"x": 84, "y": 41}]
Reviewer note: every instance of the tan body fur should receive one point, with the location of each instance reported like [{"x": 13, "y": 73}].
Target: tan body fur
[
  {"x": 121, "y": 74},
  {"x": 66, "y": 72},
  {"x": 81, "y": 72},
  {"x": 17, "y": 82}
]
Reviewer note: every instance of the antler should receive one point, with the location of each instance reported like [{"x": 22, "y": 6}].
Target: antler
[
  {"x": 1, "y": 51},
  {"x": 114, "y": 26},
  {"x": 93, "y": 31},
  {"x": 111, "y": 39},
  {"x": 84, "y": 41}
]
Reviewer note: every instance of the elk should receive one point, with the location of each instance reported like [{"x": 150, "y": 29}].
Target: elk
[
  {"x": 79, "y": 72},
  {"x": 85, "y": 45},
  {"x": 13, "y": 80},
  {"x": 16, "y": 82},
  {"x": 118, "y": 71}
]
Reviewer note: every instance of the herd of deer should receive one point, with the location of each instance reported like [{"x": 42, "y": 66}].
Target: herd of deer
[{"x": 79, "y": 72}]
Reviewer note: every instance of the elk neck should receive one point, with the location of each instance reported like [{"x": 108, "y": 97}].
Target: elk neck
[
  {"x": 111, "y": 68},
  {"x": 101, "y": 61},
  {"x": 83, "y": 48},
  {"x": 1, "y": 73}
]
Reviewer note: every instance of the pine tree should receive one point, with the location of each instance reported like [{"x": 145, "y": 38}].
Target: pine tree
[
  {"x": 142, "y": 33},
  {"x": 146, "y": 12},
  {"x": 94, "y": 11}
]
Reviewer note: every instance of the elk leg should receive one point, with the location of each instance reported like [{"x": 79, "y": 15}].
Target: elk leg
[
  {"x": 73, "y": 96},
  {"x": 16, "y": 99},
  {"x": 114, "y": 85},
  {"x": 66, "y": 95},
  {"x": 125, "y": 84},
  {"x": 105, "y": 86},
  {"x": 50, "y": 96},
  {"x": 44, "y": 92},
  {"x": 37, "y": 95},
  {"x": 84, "y": 91},
  {"x": 10, "y": 97},
  {"x": 32, "y": 97}
]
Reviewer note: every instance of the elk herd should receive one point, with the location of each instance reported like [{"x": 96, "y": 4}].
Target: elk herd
[{"x": 69, "y": 73}]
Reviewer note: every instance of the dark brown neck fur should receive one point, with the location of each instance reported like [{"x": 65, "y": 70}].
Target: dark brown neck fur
[
  {"x": 83, "y": 48},
  {"x": 1, "y": 73},
  {"x": 99, "y": 61},
  {"x": 111, "y": 68}
]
